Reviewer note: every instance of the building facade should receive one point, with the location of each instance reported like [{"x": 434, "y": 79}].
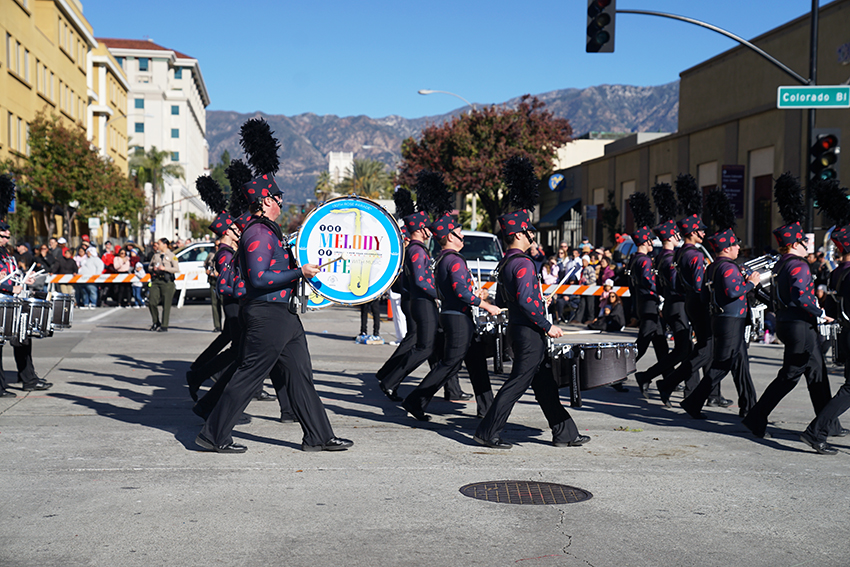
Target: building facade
[
  {"x": 730, "y": 133},
  {"x": 107, "y": 112},
  {"x": 166, "y": 110}
]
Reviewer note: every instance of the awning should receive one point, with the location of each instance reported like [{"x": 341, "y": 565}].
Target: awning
[{"x": 553, "y": 218}]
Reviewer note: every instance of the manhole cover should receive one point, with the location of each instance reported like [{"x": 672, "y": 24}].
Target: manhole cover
[{"x": 524, "y": 492}]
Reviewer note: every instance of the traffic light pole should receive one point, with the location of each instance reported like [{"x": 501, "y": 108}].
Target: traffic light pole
[{"x": 813, "y": 80}]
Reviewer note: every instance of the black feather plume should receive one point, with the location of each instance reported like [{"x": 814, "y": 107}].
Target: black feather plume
[
  {"x": 665, "y": 202},
  {"x": 721, "y": 211},
  {"x": 641, "y": 210},
  {"x": 7, "y": 193},
  {"x": 690, "y": 197},
  {"x": 210, "y": 192},
  {"x": 789, "y": 197},
  {"x": 260, "y": 146},
  {"x": 238, "y": 174},
  {"x": 404, "y": 204},
  {"x": 432, "y": 195},
  {"x": 832, "y": 201},
  {"x": 522, "y": 184}
]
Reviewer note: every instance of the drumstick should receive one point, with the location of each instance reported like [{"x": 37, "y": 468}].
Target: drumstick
[
  {"x": 332, "y": 261},
  {"x": 560, "y": 283}
]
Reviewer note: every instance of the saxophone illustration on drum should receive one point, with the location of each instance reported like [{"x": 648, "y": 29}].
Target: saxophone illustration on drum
[{"x": 359, "y": 263}]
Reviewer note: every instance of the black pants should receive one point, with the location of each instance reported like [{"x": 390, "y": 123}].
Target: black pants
[
  {"x": 404, "y": 347},
  {"x": 274, "y": 343},
  {"x": 458, "y": 331},
  {"x": 802, "y": 356},
  {"x": 586, "y": 309},
  {"x": 650, "y": 331},
  {"x": 675, "y": 318},
  {"x": 701, "y": 352},
  {"x": 23, "y": 362},
  {"x": 123, "y": 293},
  {"x": 215, "y": 356},
  {"x": 529, "y": 349},
  {"x": 730, "y": 355},
  {"x": 826, "y": 423},
  {"x": 373, "y": 307},
  {"x": 424, "y": 313}
]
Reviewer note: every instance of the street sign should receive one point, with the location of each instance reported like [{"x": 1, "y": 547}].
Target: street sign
[
  {"x": 94, "y": 222},
  {"x": 813, "y": 96}
]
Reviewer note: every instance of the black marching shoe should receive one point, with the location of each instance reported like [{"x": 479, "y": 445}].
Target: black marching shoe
[
  {"x": 264, "y": 396},
  {"x": 494, "y": 443},
  {"x": 618, "y": 387},
  {"x": 390, "y": 394},
  {"x": 841, "y": 433},
  {"x": 231, "y": 447},
  {"x": 155, "y": 327},
  {"x": 162, "y": 329},
  {"x": 643, "y": 384},
  {"x": 460, "y": 398},
  {"x": 820, "y": 447},
  {"x": 719, "y": 402},
  {"x": 694, "y": 413},
  {"x": 40, "y": 385},
  {"x": 417, "y": 413},
  {"x": 665, "y": 397},
  {"x": 288, "y": 419},
  {"x": 577, "y": 442},
  {"x": 760, "y": 433},
  {"x": 8, "y": 394},
  {"x": 332, "y": 444}
]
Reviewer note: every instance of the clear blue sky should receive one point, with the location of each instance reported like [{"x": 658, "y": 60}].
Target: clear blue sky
[{"x": 371, "y": 57}]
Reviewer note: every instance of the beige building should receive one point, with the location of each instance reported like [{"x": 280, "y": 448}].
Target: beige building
[
  {"x": 45, "y": 45},
  {"x": 107, "y": 112},
  {"x": 730, "y": 131}
]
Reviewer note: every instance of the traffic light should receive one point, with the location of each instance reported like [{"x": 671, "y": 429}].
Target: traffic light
[
  {"x": 600, "y": 26},
  {"x": 824, "y": 154}
]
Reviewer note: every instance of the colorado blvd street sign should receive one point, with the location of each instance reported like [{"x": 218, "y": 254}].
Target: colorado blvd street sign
[{"x": 813, "y": 97}]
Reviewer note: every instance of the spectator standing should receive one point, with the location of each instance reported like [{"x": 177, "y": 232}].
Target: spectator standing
[
  {"x": 586, "y": 302},
  {"x": 66, "y": 265},
  {"x": 55, "y": 249},
  {"x": 121, "y": 265},
  {"x": 92, "y": 266},
  {"x": 23, "y": 255},
  {"x": 138, "y": 288}
]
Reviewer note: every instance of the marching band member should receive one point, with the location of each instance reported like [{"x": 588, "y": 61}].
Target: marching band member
[
  {"x": 725, "y": 289},
  {"x": 8, "y": 265},
  {"x": 455, "y": 289},
  {"x": 690, "y": 267},
  {"x": 797, "y": 315},
  {"x": 419, "y": 282},
  {"x": 528, "y": 327},
  {"x": 274, "y": 340},
  {"x": 642, "y": 283},
  {"x": 673, "y": 310}
]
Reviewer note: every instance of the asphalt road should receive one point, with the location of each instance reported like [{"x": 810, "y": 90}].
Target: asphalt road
[{"x": 102, "y": 469}]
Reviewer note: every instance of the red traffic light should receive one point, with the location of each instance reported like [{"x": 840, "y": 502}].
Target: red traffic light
[{"x": 826, "y": 143}]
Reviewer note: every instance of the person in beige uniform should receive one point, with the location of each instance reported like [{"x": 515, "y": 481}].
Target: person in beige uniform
[{"x": 163, "y": 267}]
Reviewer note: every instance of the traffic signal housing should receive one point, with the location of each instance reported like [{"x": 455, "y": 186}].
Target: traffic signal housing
[
  {"x": 824, "y": 153},
  {"x": 600, "y": 26}
]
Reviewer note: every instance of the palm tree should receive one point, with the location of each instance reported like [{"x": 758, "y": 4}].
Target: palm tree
[
  {"x": 368, "y": 178},
  {"x": 148, "y": 167},
  {"x": 324, "y": 186}
]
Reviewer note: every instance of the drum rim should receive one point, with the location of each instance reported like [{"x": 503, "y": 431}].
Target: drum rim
[{"x": 397, "y": 231}]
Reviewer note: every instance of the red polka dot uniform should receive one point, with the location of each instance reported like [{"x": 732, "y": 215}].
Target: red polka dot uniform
[
  {"x": 268, "y": 270},
  {"x": 796, "y": 290},
  {"x": 729, "y": 287},
  {"x": 456, "y": 284},
  {"x": 690, "y": 264},
  {"x": 520, "y": 279},
  {"x": 417, "y": 269}
]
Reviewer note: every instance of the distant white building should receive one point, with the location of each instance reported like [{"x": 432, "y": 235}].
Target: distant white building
[
  {"x": 166, "y": 109},
  {"x": 340, "y": 165}
]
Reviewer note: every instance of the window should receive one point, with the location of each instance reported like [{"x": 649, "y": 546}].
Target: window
[
  {"x": 27, "y": 65},
  {"x": 140, "y": 127},
  {"x": 8, "y": 51},
  {"x": 175, "y": 132},
  {"x": 120, "y": 61},
  {"x": 140, "y": 103},
  {"x": 175, "y": 156},
  {"x": 143, "y": 63},
  {"x": 175, "y": 110},
  {"x": 178, "y": 73}
]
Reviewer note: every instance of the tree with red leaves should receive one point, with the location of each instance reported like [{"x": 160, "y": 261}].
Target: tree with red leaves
[{"x": 470, "y": 150}]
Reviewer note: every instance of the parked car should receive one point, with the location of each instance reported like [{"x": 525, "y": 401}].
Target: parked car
[
  {"x": 191, "y": 261},
  {"x": 482, "y": 251}
]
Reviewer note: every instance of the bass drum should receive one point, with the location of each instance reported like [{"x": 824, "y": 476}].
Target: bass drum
[{"x": 366, "y": 243}]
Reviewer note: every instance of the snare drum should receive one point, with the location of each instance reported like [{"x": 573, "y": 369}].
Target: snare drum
[
  {"x": 604, "y": 364},
  {"x": 63, "y": 310},
  {"x": 10, "y": 317},
  {"x": 490, "y": 332},
  {"x": 36, "y": 318}
]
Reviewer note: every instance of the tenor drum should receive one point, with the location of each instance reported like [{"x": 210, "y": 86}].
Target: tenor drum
[
  {"x": 10, "y": 317},
  {"x": 36, "y": 317},
  {"x": 63, "y": 310},
  {"x": 366, "y": 240},
  {"x": 604, "y": 364},
  {"x": 490, "y": 332}
]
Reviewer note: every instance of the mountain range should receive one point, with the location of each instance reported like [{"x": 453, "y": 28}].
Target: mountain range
[{"x": 306, "y": 139}]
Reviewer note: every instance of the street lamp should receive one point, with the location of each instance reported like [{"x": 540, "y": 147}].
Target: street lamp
[
  {"x": 429, "y": 91},
  {"x": 473, "y": 223}
]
